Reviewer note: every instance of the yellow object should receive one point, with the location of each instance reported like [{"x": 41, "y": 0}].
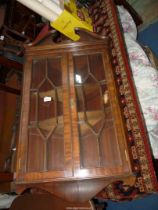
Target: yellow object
[{"x": 69, "y": 20}]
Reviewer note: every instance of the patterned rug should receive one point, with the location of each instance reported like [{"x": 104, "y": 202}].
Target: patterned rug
[{"x": 142, "y": 165}]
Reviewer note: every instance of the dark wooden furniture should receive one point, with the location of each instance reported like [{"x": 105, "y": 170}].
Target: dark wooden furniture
[
  {"x": 50, "y": 202},
  {"x": 21, "y": 24},
  {"x": 10, "y": 77},
  {"x": 6, "y": 177},
  {"x": 72, "y": 141}
]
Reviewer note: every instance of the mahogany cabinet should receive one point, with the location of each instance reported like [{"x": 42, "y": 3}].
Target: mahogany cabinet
[{"x": 72, "y": 141}]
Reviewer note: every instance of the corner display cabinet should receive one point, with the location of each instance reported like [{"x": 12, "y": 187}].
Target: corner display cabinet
[{"x": 72, "y": 141}]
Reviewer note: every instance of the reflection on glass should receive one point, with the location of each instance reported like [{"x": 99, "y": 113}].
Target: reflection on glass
[
  {"x": 81, "y": 68},
  {"x": 78, "y": 78},
  {"x": 47, "y": 98}
]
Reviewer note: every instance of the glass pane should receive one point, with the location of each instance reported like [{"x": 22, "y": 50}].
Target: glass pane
[
  {"x": 89, "y": 147},
  {"x": 96, "y": 66},
  {"x": 38, "y": 72},
  {"x": 81, "y": 70},
  {"x": 33, "y": 106},
  {"x": 92, "y": 94},
  {"x": 110, "y": 154},
  {"x": 56, "y": 75},
  {"x": 35, "y": 151},
  {"x": 80, "y": 99},
  {"x": 46, "y": 100},
  {"x": 55, "y": 147},
  {"x": 93, "y": 102},
  {"x": 46, "y": 107}
]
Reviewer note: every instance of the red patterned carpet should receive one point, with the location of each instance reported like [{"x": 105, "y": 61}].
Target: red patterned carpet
[{"x": 141, "y": 159}]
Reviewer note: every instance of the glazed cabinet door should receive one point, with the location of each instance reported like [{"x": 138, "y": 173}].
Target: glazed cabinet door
[
  {"x": 71, "y": 125},
  {"x": 45, "y": 141},
  {"x": 99, "y": 145}
]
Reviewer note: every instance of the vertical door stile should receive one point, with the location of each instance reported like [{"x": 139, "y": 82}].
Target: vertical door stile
[
  {"x": 23, "y": 133},
  {"x": 67, "y": 120},
  {"x": 74, "y": 117}
]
